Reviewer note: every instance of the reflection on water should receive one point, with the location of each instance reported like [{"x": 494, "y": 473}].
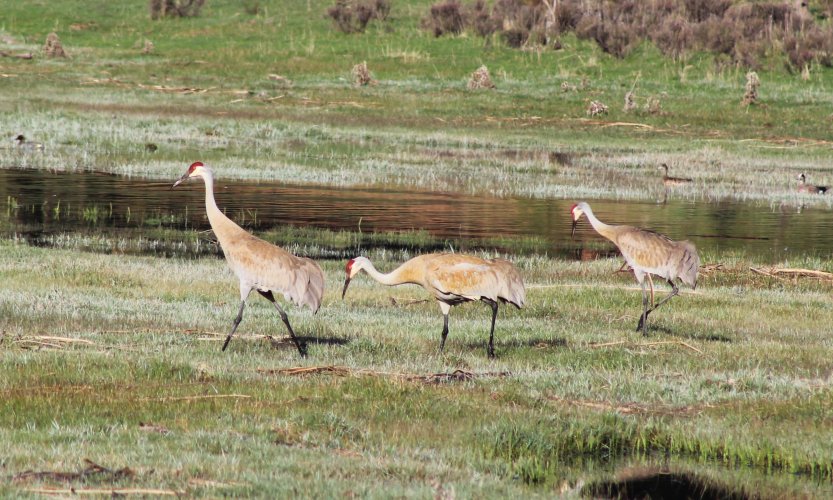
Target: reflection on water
[{"x": 39, "y": 202}]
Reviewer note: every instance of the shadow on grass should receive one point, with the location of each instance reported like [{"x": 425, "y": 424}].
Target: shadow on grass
[
  {"x": 658, "y": 483},
  {"x": 534, "y": 342},
  {"x": 282, "y": 343},
  {"x": 684, "y": 334}
]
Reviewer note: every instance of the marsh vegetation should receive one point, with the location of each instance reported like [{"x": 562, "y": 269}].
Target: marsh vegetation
[{"x": 113, "y": 305}]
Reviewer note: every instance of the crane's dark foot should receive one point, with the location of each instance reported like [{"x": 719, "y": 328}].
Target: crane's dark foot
[
  {"x": 302, "y": 349},
  {"x": 225, "y": 344},
  {"x": 641, "y": 325},
  {"x": 491, "y": 353}
]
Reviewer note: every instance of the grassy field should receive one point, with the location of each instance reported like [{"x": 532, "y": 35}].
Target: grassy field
[
  {"x": 116, "y": 359},
  {"x": 205, "y": 93}
]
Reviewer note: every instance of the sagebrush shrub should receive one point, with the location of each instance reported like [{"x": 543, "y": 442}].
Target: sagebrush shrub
[
  {"x": 445, "y": 18},
  {"x": 351, "y": 16}
]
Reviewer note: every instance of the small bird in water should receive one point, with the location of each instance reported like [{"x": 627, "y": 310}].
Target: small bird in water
[
  {"x": 24, "y": 145},
  {"x": 668, "y": 181},
  {"x": 809, "y": 188}
]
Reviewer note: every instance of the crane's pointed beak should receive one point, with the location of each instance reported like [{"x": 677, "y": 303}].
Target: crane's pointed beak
[
  {"x": 346, "y": 284},
  {"x": 573, "y": 232},
  {"x": 180, "y": 181}
]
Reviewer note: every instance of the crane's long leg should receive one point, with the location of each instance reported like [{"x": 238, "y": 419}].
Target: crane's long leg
[
  {"x": 445, "y": 308},
  {"x": 650, "y": 281},
  {"x": 674, "y": 291},
  {"x": 237, "y": 321},
  {"x": 302, "y": 346},
  {"x": 643, "y": 323},
  {"x": 445, "y": 332},
  {"x": 491, "y": 349}
]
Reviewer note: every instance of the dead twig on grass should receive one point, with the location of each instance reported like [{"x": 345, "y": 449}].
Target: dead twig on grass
[
  {"x": 92, "y": 469},
  {"x": 49, "y": 341},
  {"x": 24, "y": 55},
  {"x": 455, "y": 376},
  {"x": 114, "y": 492},
  {"x": 633, "y": 408},
  {"x": 786, "y": 273},
  {"x": 647, "y": 344},
  {"x": 197, "y": 398},
  {"x": 148, "y": 427},
  {"x": 401, "y": 302}
]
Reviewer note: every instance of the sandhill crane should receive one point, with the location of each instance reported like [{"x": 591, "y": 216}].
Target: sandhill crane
[
  {"x": 452, "y": 279},
  {"x": 24, "y": 145},
  {"x": 809, "y": 188},
  {"x": 258, "y": 264},
  {"x": 669, "y": 181},
  {"x": 647, "y": 253}
]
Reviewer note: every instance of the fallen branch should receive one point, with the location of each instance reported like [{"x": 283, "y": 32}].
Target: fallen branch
[
  {"x": 67, "y": 340},
  {"x": 775, "y": 272},
  {"x": 401, "y": 302},
  {"x": 455, "y": 376},
  {"x": 148, "y": 427},
  {"x": 25, "y": 55},
  {"x": 626, "y": 124},
  {"x": 648, "y": 344},
  {"x": 114, "y": 492},
  {"x": 710, "y": 268},
  {"x": 173, "y": 90},
  {"x": 92, "y": 469},
  {"x": 633, "y": 408},
  {"x": 195, "y": 398}
]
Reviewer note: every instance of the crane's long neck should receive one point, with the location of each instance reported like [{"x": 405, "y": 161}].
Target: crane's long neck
[
  {"x": 398, "y": 276},
  {"x": 216, "y": 218},
  {"x": 605, "y": 230}
]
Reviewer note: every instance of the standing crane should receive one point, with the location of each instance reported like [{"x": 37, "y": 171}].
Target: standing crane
[
  {"x": 258, "y": 264},
  {"x": 669, "y": 181},
  {"x": 452, "y": 279},
  {"x": 647, "y": 253},
  {"x": 809, "y": 188}
]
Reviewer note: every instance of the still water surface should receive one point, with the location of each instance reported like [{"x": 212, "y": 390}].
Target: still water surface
[{"x": 41, "y": 202}]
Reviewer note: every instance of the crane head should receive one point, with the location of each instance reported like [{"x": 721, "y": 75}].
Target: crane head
[
  {"x": 348, "y": 269},
  {"x": 801, "y": 177},
  {"x": 20, "y": 139},
  {"x": 351, "y": 269},
  {"x": 195, "y": 170},
  {"x": 576, "y": 212}
]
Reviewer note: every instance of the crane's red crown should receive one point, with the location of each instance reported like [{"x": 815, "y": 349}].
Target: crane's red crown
[
  {"x": 349, "y": 265},
  {"x": 195, "y": 165},
  {"x": 573, "y": 208}
]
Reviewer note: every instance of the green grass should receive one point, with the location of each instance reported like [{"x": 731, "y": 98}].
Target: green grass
[
  {"x": 733, "y": 385},
  {"x": 713, "y": 386},
  {"x": 418, "y": 127}
]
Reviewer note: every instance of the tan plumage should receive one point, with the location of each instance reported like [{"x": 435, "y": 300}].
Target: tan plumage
[
  {"x": 809, "y": 188},
  {"x": 647, "y": 253},
  {"x": 258, "y": 264},
  {"x": 669, "y": 181},
  {"x": 453, "y": 279}
]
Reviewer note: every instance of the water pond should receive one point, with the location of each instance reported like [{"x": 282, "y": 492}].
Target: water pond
[{"x": 39, "y": 203}]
